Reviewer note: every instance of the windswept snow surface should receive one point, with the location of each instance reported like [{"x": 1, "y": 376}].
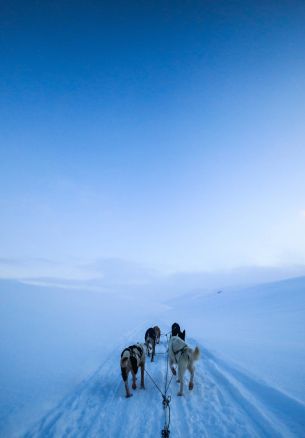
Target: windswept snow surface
[
  {"x": 50, "y": 339},
  {"x": 261, "y": 328},
  {"x": 60, "y": 376},
  {"x": 224, "y": 403}
]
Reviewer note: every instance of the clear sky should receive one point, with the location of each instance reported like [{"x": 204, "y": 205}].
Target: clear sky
[{"x": 170, "y": 134}]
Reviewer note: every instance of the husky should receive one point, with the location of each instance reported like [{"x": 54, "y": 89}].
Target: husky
[
  {"x": 132, "y": 358},
  {"x": 177, "y": 332},
  {"x": 157, "y": 333},
  {"x": 150, "y": 342},
  {"x": 183, "y": 356}
]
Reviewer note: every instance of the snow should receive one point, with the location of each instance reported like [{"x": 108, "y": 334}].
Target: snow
[
  {"x": 261, "y": 328},
  {"x": 60, "y": 354}
]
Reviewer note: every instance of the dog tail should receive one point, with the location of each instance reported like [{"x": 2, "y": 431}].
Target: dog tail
[
  {"x": 123, "y": 361},
  {"x": 124, "y": 368},
  {"x": 196, "y": 354}
]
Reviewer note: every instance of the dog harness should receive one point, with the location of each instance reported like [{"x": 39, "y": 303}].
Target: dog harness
[
  {"x": 132, "y": 351},
  {"x": 181, "y": 350}
]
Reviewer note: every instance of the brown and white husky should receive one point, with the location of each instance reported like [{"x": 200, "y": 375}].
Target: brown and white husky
[{"x": 132, "y": 358}]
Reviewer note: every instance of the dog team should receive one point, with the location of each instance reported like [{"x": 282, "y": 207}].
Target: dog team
[{"x": 180, "y": 356}]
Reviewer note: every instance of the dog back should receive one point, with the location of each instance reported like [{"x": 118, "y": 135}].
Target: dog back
[
  {"x": 133, "y": 356},
  {"x": 150, "y": 333},
  {"x": 176, "y": 348},
  {"x": 157, "y": 331}
]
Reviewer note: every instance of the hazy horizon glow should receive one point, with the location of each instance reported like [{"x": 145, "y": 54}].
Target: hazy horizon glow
[{"x": 168, "y": 135}]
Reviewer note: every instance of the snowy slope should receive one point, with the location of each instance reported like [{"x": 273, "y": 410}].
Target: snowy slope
[
  {"x": 224, "y": 402},
  {"x": 261, "y": 328},
  {"x": 52, "y": 338},
  {"x": 60, "y": 350}
]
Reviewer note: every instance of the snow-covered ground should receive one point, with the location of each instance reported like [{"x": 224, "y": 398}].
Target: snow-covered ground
[
  {"x": 60, "y": 354},
  {"x": 261, "y": 328}
]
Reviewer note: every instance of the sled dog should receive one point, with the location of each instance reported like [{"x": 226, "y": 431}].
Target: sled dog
[
  {"x": 132, "y": 358},
  {"x": 183, "y": 356},
  {"x": 177, "y": 332},
  {"x": 157, "y": 333},
  {"x": 150, "y": 342}
]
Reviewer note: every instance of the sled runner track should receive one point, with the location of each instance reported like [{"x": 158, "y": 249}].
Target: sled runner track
[{"x": 224, "y": 402}]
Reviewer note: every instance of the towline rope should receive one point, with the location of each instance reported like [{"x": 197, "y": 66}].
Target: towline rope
[{"x": 165, "y": 432}]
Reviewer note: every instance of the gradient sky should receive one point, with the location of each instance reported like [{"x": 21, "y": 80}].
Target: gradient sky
[{"x": 170, "y": 134}]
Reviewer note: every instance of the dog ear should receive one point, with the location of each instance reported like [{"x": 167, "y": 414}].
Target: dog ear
[{"x": 134, "y": 364}]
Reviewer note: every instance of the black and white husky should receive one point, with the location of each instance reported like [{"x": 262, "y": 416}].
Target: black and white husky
[
  {"x": 132, "y": 358},
  {"x": 177, "y": 332},
  {"x": 183, "y": 356}
]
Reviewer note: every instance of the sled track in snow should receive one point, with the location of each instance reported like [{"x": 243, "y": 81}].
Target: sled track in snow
[{"x": 224, "y": 403}]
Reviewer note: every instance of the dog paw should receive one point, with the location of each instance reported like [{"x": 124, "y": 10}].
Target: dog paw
[
  {"x": 142, "y": 387},
  {"x": 134, "y": 386},
  {"x": 128, "y": 395},
  {"x": 191, "y": 386},
  {"x": 180, "y": 394}
]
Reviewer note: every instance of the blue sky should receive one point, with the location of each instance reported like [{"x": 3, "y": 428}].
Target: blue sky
[{"x": 169, "y": 134}]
